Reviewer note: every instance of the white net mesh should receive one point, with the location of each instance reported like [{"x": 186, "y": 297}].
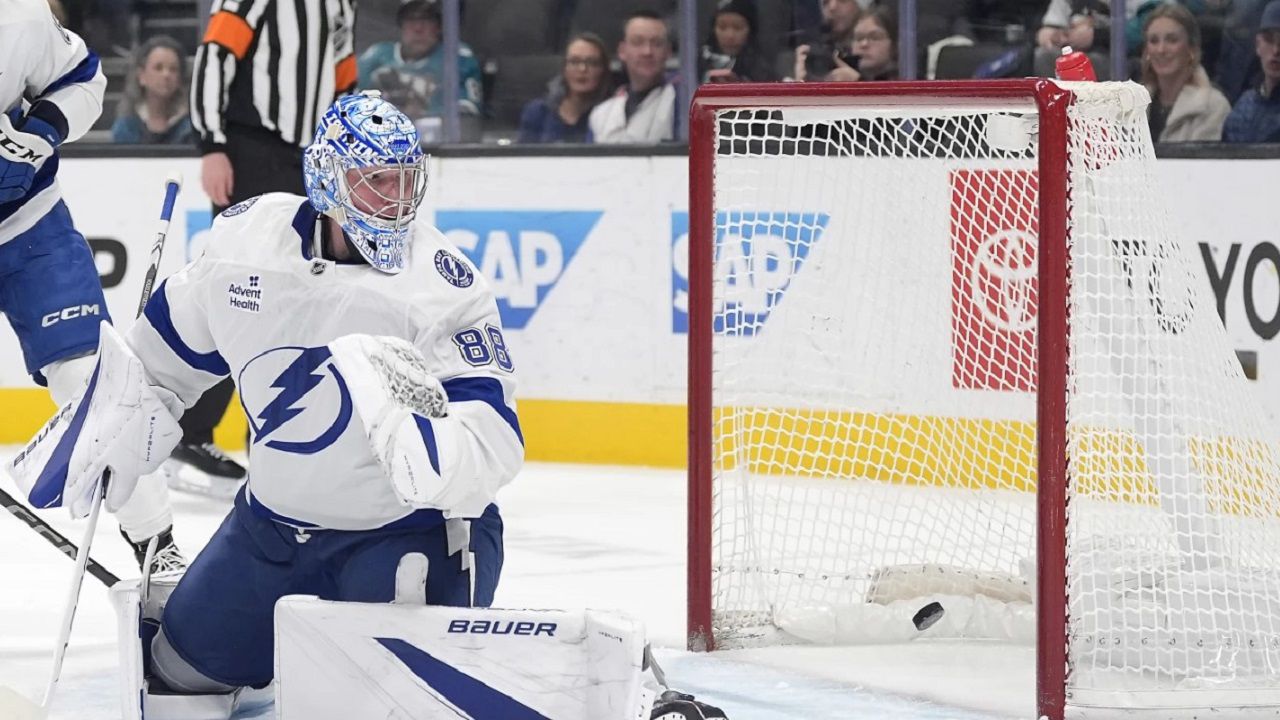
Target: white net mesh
[{"x": 874, "y": 376}]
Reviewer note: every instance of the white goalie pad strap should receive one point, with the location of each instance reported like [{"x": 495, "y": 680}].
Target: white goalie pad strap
[
  {"x": 118, "y": 421},
  {"x": 376, "y": 660}
]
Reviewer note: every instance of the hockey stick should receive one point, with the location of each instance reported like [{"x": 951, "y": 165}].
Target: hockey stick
[
  {"x": 172, "y": 185},
  {"x": 57, "y": 539}
]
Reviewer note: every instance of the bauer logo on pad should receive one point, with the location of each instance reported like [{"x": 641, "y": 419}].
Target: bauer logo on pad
[{"x": 760, "y": 253}]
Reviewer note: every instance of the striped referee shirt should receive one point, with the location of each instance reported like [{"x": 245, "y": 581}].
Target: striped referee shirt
[{"x": 273, "y": 64}]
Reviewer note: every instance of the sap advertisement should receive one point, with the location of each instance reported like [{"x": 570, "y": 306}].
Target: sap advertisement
[{"x": 588, "y": 261}]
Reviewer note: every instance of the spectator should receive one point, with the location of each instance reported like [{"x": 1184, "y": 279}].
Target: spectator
[
  {"x": 732, "y": 52},
  {"x": 1237, "y": 68},
  {"x": 154, "y": 108},
  {"x": 561, "y": 116},
  {"x": 644, "y": 110},
  {"x": 875, "y": 44},
  {"x": 1082, "y": 24},
  {"x": 409, "y": 72},
  {"x": 1185, "y": 106},
  {"x": 838, "y": 19},
  {"x": 1256, "y": 116}
]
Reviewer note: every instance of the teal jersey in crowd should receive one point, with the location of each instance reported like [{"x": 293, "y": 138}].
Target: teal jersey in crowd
[{"x": 415, "y": 86}]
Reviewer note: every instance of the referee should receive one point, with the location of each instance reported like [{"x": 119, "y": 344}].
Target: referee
[{"x": 265, "y": 72}]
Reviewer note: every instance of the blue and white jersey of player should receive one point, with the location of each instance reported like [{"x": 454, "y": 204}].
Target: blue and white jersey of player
[
  {"x": 260, "y": 306},
  {"x": 48, "y": 75}
]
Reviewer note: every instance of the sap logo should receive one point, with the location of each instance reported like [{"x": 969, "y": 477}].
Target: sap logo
[
  {"x": 295, "y": 399},
  {"x": 70, "y": 313},
  {"x": 198, "y": 224},
  {"x": 497, "y": 627},
  {"x": 522, "y": 253},
  {"x": 757, "y": 255}
]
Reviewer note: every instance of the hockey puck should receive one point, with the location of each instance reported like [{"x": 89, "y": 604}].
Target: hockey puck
[{"x": 928, "y": 615}]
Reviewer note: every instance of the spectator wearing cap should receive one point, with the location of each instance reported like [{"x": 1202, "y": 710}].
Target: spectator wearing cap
[
  {"x": 1256, "y": 115},
  {"x": 561, "y": 115},
  {"x": 1185, "y": 106},
  {"x": 643, "y": 111},
  {"x": 732, "y": 52},
  {"x": 409, "y": 72}
]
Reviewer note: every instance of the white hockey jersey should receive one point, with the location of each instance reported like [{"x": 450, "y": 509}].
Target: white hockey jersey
[
  {"x": 258, "y": 306},
  {"x": 60, "y": 79}
]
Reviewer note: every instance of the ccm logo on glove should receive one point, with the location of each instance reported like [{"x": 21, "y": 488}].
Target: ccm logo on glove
[
  {"x": 18, "y": 152},
  {"x": 69, "y": 313},
  {"x": 495, "y": 627}
]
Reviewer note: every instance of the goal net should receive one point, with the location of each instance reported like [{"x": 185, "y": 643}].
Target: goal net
[{"x": 947, "y": 347}]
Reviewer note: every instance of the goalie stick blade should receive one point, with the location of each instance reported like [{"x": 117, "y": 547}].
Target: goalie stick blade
[{"x": 14, "y": 706}]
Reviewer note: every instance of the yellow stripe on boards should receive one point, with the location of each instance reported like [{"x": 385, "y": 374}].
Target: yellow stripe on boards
[
  {"x": 901, "y": 449},
  {"x": 1236, "y": 474},
  {"x": 604, "y": 433},
  {"x": 554, "y": 430}
]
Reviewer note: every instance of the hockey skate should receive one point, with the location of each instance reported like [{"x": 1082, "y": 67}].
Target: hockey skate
[
  {"x": 203, "y": 469},
  {"x": 675, "y": 705},
  {"x": 168, "y": 557}
]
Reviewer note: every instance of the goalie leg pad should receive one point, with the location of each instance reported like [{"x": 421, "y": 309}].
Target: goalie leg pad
[
  {"x": 219, "y": 619},
  {"x": 340, "y": 659}
]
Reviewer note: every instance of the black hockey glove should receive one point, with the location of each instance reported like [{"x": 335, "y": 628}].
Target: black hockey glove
[{"x": 674, "y": 705}]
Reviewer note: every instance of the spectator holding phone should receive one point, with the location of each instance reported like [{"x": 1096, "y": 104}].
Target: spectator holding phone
[
  {"x": 827, "y": 57},
  {"x": 732, "y": 52}
]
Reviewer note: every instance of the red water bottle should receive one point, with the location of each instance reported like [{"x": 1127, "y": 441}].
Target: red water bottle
[{"x": 1074, "y": 65}]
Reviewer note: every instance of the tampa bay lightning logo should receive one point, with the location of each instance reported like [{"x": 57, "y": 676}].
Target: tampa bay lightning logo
[
  {"x": 240, "y": 207},
  {"x": 453, "y": 269},
  {"x": 295, "y": 399}
]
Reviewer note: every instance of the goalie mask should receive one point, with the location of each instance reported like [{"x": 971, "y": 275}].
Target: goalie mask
[{"x": 365, "y": 169}]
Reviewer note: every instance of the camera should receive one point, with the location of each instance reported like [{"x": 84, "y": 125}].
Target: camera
[{"x": 821, "y": 60}]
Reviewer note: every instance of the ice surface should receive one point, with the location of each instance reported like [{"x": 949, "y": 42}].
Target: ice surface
[{"x": 576, "y": 536}]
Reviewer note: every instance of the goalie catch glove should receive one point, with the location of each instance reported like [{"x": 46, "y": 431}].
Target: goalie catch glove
[
  {"x": 675, "y": 705},
  {"x": 389, "y": 384},
  {"x": 118, "y": 422}
]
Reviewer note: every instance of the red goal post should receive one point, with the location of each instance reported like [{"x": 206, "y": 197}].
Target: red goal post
[{"x": 746, "y": 134}]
